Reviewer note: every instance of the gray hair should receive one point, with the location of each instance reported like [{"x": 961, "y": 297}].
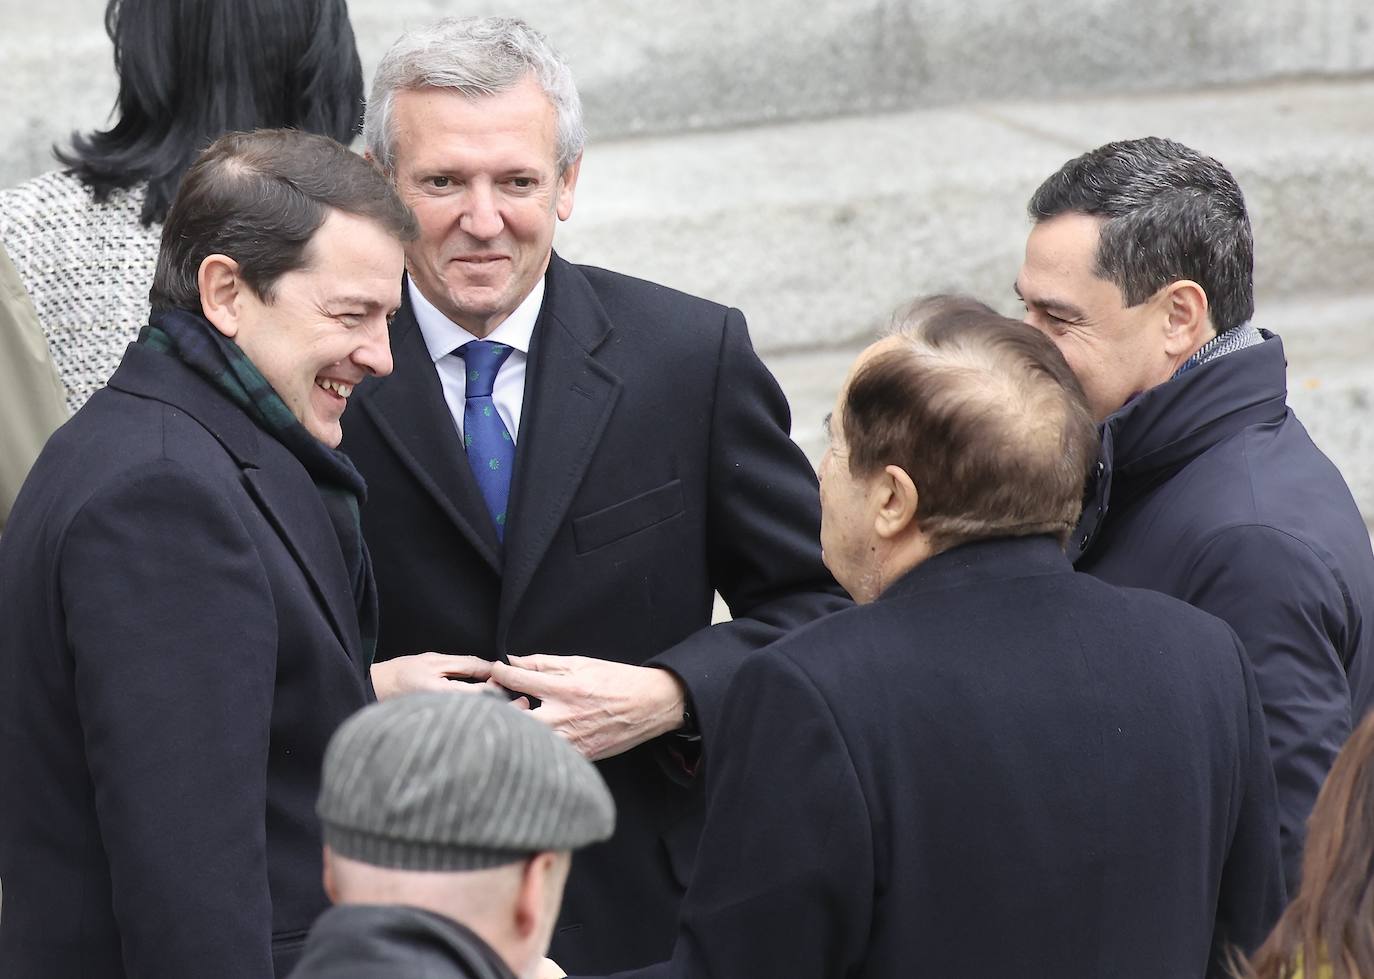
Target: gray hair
[
  {"x": 477, "y": 56},
  {"x": 1171, "y": 213}
]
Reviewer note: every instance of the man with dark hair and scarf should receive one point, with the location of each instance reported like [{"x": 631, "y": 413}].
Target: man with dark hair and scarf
[{"x": 189, "y": 608}]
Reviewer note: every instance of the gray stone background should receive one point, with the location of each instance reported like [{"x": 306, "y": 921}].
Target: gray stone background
[{"x": 816, "y": 163}]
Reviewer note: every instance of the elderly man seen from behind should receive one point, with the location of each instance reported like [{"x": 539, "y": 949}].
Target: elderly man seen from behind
[
  {"x": 993, "y": 766},
  {"x": 448, "y": 827}
]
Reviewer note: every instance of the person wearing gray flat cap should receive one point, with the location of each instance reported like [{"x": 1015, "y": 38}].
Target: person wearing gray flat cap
[{"x": 449, "y": 825}]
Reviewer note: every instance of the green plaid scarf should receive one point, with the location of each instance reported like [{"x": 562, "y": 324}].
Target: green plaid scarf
[{"x": 191, "y": 339}]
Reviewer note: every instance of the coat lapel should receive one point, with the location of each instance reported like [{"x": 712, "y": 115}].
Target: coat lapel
[
  {"x": 293, "y": 507},
  {"x": 282, "y": 491},
  {"x": 411, "y": 414},
  {"x": 569, "y": 397}
]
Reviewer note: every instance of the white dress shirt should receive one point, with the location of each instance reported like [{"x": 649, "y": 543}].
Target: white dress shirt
[{"x": 443, "y": 337}]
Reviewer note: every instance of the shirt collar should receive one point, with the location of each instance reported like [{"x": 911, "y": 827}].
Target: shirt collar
[{"x": 443, "y": 336}]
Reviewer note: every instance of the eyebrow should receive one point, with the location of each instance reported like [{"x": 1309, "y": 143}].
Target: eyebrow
[
  {"x": 1058, "y": 307},
  {"x": 363, "y": 301}
]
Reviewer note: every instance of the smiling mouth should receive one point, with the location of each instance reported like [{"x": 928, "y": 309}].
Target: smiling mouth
[
  {"x": 338, "y": 388},
  {"x": 479, "y": 259}
]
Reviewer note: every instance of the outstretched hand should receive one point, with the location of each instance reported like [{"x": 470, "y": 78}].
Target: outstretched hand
[{"x": 602, "y": 707}]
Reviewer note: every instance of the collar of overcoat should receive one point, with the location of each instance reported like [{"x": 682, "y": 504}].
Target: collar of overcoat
[
  {"x": 1160, "y": 431},
  {"x": 279, "y": 485},
  {"x": 979, "y": 563}
]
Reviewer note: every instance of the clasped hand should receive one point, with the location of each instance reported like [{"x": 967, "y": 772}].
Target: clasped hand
[
  {"x": 431, "y": 671},
  {"x": 602, "y": 707}
]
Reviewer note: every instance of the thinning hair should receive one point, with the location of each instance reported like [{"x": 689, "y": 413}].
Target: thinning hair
[
  {"x": 259, "y": 198},
  {"x": 983, "y": 414},
  {"x": 191, "y": 70},
  {"x": 478, "y": 57},
  {"x": 1330, "y": 921},
  {"x": 1170, "y": 213}
]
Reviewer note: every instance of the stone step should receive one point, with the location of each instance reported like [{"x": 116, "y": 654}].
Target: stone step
[
  {"x": 665, "y": 66},
  {"x": 1330, "y": 381},
  {"x": 818, "y": 229},
  {"x": 662, "y": 66}
]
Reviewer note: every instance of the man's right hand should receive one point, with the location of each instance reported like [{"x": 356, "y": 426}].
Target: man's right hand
[{"x": 431, "y": 671}]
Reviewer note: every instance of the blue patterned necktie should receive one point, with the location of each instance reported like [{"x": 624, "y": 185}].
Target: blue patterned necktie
[{"x": 490, "y": 449}]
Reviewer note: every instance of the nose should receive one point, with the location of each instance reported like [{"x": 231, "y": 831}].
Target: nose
[
  {"x": 481, "y": 217},
  {"x": 374, "y": 355}
]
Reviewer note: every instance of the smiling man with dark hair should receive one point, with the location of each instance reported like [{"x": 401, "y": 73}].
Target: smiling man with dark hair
[{"x": 189, "y": 608}]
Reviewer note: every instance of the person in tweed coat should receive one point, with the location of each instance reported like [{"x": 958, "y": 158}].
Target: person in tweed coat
[{"x": 83, "y": 239}]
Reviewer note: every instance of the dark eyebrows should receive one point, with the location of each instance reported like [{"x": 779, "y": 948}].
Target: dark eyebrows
[
  {"x": 343, "y": 305},
  {"x": 350, "y": 300},
  {"x": 1055, "y": 307}
]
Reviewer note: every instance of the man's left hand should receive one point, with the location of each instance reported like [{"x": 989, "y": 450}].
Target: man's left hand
[{"x": 602, "y": 707}]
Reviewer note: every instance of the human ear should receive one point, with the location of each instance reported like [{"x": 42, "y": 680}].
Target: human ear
[
  {"x": 1187, "y": 325},
  {"x": 331, "y": 890},
  {"x": 532, "y": 901},
  {"x": 567, "y": 184},
  {"x": 221, "y": 293},
  {"x": 895, "y": 499}
]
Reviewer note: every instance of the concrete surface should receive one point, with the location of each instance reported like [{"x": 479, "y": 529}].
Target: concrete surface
[
  {"x": 818, "y": 229},
  {"x": 925, "y": 127},
  {"x": 662, "y": 66}
]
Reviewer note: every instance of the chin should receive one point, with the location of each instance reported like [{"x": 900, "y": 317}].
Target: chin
[{"x": 330, "y": 435}]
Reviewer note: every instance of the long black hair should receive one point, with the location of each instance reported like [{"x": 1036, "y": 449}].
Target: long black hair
[{"x": 191, "y": 70}]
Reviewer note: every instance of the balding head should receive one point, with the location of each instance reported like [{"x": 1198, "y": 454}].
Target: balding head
[{"x": 974, "y": 415}]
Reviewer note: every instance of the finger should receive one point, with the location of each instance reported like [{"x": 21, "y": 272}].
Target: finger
[
  {"x": 443, "y": 683},
  {"x": 521, "y": 703},
  {"x": 554, "y": 716},
  {"x": 450, "y": 685},
  {"x": 466, "y": 666},
  {"x": 541, "y": 685},
  {"x": 543, "y": 663}
]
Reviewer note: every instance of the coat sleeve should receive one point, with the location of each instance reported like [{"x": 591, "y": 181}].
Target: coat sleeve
[
  {"x": 784, "y": 879},
  {"x": 1290, "y": 614},
  {"x": 763, "y": 528},
  {"x": 1252, "y": 888},
  {"x": 172, "y": 632},
  {"x": 32, "y": 399}
]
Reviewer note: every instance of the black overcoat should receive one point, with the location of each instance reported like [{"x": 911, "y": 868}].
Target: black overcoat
[
  {"x": 653, "y": 466},
  {"x": 179, "y": 643},
  {"x": 1210, "y": 490},
  {"x": 999, "y": 768}
]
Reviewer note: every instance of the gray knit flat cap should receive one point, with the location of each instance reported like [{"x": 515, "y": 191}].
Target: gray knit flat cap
[{"x": 456, "y": 781}]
